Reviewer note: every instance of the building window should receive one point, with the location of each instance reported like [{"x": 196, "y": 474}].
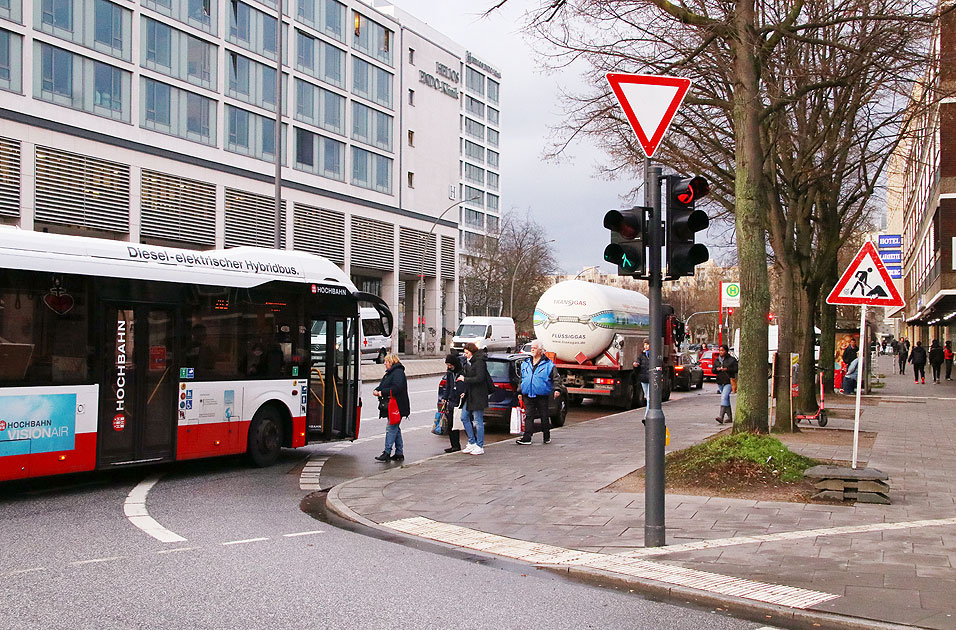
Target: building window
[
  {"x": 493, "y": 137},
  {"x": 411, "y": 97},
  {"x": 493, "y": 91},
  {"x": 108, "y": 87},
  {"x": 320, "y": 59},
  {"x": 492, "y": 115},
  {"x": 474, "y": 129},
  {"x": 320, "y": 107},
  {"x": 373, "y": 39},
  {"x": 492, "y": 180},
  {"x": 474, "y": 106},
  {"x": 411, "y": 56},
  {"x": 57, "y": 14},
  {"x": 371, "y": 126},
  {"x": 492, "y": 201},
  {"x": 492, "y": 158},
  {"x": 179, "y": 113},
  {"x": 177, "y": 54},
  {"x": 74, "y": 81},
  {"x": 371, "y": 82},
  {"x": 200, "y": 14},
  {"x": 411, "y": 138},
  {"x": 252, "y": 82},
  {"x": 474, "y": 81},
  {"x": 474, "y": 174},
  {"x": 474, "y": 196},
  {"x": 474, "y": 151},
  {"x": 108, "y": 24},
  {"x": 11, "y": 61},
  {"x": 411, "y": 179},
  {"x": 252, "y": 29},
  {"x": 11, "y": 10},
  {"x": 251, "y": 134},
  {"x": 96, "y": 24},
  {"x": 372, "y": 171}
]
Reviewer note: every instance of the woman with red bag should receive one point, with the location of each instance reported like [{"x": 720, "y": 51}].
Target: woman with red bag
[{"x": 394, "y": 390}]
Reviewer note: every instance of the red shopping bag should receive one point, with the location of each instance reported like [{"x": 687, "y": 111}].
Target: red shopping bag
[{"x": 394, "y": 415}]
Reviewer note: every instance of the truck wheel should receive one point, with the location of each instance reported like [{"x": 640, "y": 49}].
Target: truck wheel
[
  {"x": 574, "y": 400},
  {"x": 265, "y": 437},
  {"x": 559, "y": 419}
]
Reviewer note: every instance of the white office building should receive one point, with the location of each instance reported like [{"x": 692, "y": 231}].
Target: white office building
[{"x": 154, "y": 122}]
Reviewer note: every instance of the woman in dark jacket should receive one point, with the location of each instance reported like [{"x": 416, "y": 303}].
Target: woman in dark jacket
[
  {"x": 936, "y": 359},
  {"x": 918, "y": 359},
  {"x": 725, "y": 368},
  {"x": 476, "y": 400},
  {"x": 450, "y": 395},
  {"x": 393, "y": 385}
]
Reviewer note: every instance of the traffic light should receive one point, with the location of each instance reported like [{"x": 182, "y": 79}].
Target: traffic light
[
  {"x": 683, "y": 221},
  {"x": 627, "y": 241}
]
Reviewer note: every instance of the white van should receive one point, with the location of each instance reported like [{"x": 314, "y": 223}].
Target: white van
[
  {"x": 494, "y": 334},
  {"x": 375, "y": 343}
]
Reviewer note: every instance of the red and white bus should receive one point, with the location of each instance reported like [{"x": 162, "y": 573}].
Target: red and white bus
[{"x": 118, "y": 354}]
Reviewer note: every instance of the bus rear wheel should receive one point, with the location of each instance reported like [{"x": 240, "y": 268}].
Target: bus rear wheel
[{"x": 265, "y": 437}]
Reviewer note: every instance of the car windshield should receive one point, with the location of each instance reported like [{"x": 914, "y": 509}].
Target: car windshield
[
  {"x": 498, "y": 370},
  {"x": 471, "y": 330},
  {"x": 373, "y": 327}
]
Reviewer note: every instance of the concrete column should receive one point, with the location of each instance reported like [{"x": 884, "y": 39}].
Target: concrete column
[
  {"x": 390, "y": 295},
  {"x": 220, "y": 216},
  {"x": 432, "y": 316},
  {"x": 135, "y": 204},
  {"x": 28, "y": 159}
]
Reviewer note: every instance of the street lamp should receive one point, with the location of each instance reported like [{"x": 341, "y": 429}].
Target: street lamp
[
  {"x": 421, "y": 273},
  {"x": 511, "y": 302},
  {"x": 583, "y": 270}
]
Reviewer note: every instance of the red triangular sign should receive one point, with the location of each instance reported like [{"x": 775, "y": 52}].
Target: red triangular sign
[
  {"x": 866, "y": 281},
  {"x": 650, "y": 102}
]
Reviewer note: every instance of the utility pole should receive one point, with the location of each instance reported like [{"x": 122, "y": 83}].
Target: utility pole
[{"x": 654, "y": 431}]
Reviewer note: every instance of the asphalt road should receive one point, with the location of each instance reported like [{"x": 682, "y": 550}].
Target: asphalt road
[{"x": 251, "y": 558}]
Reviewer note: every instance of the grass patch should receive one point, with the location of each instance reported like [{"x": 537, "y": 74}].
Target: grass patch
[{"x": 742, "y": 458}]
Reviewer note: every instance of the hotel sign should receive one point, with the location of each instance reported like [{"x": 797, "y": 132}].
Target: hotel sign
[{"x": 442, "y": 86}]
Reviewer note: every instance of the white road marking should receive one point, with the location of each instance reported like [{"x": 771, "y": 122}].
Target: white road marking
[
  {"x": 317, "y": 531},
  {"x": 242, "y": 542},
  {"x": 22, "y": 571},
  {"x": 137, "y": 514},
  {"x": 762, "y": 538},
  {"x": 549, "y": 554},
  {"x": 178, "y": 549},
  {"x": 96, "y": 560}
]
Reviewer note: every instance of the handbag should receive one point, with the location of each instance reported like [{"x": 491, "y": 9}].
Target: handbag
[
  {"x": 438, "y": 428},
  {"x": 517, "y": 419},
  {"x": 394, "y": 415}
]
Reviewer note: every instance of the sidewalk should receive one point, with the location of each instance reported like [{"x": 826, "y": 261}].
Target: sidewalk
[
  {"x": 413, "y": 367},
  {"x": 784, "y": 563}
]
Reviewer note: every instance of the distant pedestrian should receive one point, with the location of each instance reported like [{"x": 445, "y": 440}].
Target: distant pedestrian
[
  {"x": 906, "y": 342},
  {"x": 393, "y": 385},
  {"x": 643, "y": 366},
  {"x": 948, "y": 357},
  {"x": 450, "y": 398},
  {"x": 851, "y": 377},
  {"x": 936, "y": 357},
  {"x": 850, "y": 352},
  {"x": 902, "y": 354},
  {"x": 540, "y": 382},
  {"x": 725, "y": 368},
  {"x": 476, "y": 378},
  {"x": 918, "y": 359}
]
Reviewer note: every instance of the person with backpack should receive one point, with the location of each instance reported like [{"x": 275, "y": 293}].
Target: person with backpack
[
  {"x": 918, "y": 359},
  {"x": 479, "y": 384},
  {"x": 948, "y": 358},
  {"x": 539, "y": 381},
  {"x": 936, "y": 357}
]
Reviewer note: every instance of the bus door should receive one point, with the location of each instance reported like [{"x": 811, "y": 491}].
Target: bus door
[
  {"x": 333, "y": 387},
  {"x": 138, "y": 397}
]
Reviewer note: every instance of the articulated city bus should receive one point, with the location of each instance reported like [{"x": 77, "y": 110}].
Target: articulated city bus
[{"x": 117, "y": 354}]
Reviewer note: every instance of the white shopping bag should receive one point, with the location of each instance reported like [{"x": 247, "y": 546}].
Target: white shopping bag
[{"x": 517, "y": 420}]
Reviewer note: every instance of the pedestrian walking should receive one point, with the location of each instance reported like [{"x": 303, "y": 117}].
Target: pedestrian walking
[
  {"x": 393, "y": 385},
  {"x": 850, "y": 352},
  {"x": 948, "y": 358},
  {"x": 539, "y": 383},
  {"x": 449, "y": 399},
  {"x": 725, "y": 368},
  {"x": 476, "y": 378},
  {"x": 936, "y": 357},
  {"x": 643, "y": 366},
  {"x": 851, "y": 377},
  {"x": 918, "y": 359},
  {"x": 902, "y": 354}
]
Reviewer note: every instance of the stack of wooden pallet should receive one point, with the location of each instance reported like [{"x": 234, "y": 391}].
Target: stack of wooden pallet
[{"x": 864, "y": 485}]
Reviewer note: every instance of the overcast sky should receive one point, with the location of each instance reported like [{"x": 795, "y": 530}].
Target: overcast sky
[{"x": 566, "y": 198}]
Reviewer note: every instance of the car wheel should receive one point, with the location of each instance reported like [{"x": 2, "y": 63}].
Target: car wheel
[
  {"x": 559, "y": 419},
  {"x": 265, "y": 437},
  {"x": 700, "y": 383}
]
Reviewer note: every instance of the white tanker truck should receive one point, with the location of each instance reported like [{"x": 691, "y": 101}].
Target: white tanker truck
[{"x": 594, "y": 334}]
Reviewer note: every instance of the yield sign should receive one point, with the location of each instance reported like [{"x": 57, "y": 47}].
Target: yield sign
[
  {"x": 866, "y": 281},
  {"x": 649, "y": 101}
]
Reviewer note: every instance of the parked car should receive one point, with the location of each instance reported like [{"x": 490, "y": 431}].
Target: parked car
[
  {"x": 505, "y": 371},
  {"x": 688, "y": 373},
  {"x": 526, "y": 348},
  {"x": 707, "y": 364}
]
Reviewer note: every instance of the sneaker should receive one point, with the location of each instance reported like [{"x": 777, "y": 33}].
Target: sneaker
[
  {"x": 469, "y": 448},
  {"x": 384, "y": 457},
  {"x": 398, "y": 457},
  {"x": 923, "y": 382},
  {"x": 522, "y": 441},
  {"x": 477, "y": 451},
  {"x": 547, "y": 440}
]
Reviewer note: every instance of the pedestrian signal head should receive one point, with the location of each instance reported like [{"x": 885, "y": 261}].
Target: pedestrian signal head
[{"x": 627, "y": 241}]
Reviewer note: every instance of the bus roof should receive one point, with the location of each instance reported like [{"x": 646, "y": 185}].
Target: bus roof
[{"x": 243, "y": 267}]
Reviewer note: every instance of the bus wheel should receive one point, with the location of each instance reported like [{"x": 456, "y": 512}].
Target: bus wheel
[
  {"x": 381, "y": 356},
  {"x": 265, "y": 437}
]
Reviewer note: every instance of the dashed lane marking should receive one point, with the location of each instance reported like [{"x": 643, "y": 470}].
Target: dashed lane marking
[
  {"x": 138, "y": 515},
  {"x": 179, "y": 549},
  {"x": 318, "y": 531},
  {"x": 549, "y": 554},
  {"x": 243, "y": 542},
  {"x": 97, "y": 560},
  {"x": 22, "y": 571}
]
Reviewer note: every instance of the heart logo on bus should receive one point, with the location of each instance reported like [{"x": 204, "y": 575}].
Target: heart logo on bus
[
  {"x": 119, "y": 422},
  {"x": 60, "y": 304}
]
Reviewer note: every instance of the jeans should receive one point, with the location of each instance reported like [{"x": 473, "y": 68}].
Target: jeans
[
  {"x": 849, "y": 385},
  {"x": 537, "y": 407},
  {"x": 647, "y": 396},
  {"x": 476, "y": 432},
  {"x": 393, "y": 435},
  {"x": 724, "y": 394}
]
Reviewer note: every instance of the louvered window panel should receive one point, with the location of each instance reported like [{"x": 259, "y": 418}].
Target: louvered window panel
[
  {"x": 78, "y": 190},
  {"x": 320, "y": 231},
  {"x": 9, "y": 178},
  {"x": 251, "y": 219},
  {"x": 411, "y": 244},
  {"x": 448, "y": 257},
  {"x": 373, "y": 244},
  {"x": 178, "y": 209}
]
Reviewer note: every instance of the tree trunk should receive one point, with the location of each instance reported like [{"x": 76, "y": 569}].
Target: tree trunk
[
  {"x": 787, "y": 318},
  {"x": 828, "y": 315},
  {"x": 751, "y": 233},
  {"x": 809, "y": 377}
]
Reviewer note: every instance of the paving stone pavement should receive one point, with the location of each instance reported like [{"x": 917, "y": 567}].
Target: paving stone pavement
[{"x": 889, "y": 563}]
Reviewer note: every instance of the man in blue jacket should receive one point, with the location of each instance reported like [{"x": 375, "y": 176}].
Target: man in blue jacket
[{"x": 539, "y": 382}]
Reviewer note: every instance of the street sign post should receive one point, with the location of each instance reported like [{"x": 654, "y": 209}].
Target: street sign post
[
  {"x": 649, "y": 103},
  {"x": 866, "y": 282}
]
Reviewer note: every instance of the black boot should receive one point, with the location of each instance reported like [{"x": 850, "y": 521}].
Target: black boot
[
  {"x": 730, "y": 415},
  {"x": 384, "y": 457},
  {"x": 720, "y": 418}
]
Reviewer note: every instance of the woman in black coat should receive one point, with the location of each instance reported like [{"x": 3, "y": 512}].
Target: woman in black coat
[
  {"x": 393, "y": 385},
  {"x": 450, "y": 395},
  {"x": 936, "y": 358},
  {"x": 476, "y": 400},
  {"x": 918, "y": 359}
]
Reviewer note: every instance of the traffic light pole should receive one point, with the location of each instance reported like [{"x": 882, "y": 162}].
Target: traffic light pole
[{"x": 654, "y": 432}]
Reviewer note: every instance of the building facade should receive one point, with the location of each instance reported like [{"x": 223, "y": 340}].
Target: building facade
[
  {"x": 155, "y": 122},
  {"x": 922, "y": 203}
]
